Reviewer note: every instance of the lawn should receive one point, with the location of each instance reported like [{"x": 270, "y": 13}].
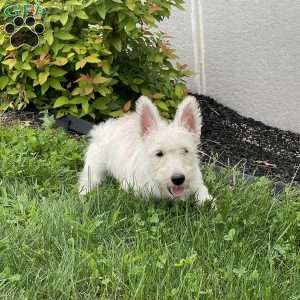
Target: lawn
[{"x": 112, "y": 245}]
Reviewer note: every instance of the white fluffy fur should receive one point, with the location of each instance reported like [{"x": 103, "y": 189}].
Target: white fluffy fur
[{"x": 127, "y": 148}]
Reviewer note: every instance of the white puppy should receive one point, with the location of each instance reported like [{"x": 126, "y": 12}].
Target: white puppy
[{"x": 143, "y": 151}]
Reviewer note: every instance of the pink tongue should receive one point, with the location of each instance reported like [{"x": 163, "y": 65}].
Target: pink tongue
[{"x": 177, "y": 191}]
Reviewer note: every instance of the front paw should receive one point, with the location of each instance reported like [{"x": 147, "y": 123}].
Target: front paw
[{"x": 202, "y": 195}]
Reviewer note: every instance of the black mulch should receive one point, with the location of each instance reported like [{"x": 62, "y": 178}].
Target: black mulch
[
  {"x": 254, "y": 146},
  {"x": 30, "y": 118}
]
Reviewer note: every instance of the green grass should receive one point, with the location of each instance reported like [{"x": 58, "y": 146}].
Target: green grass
[{"x": 112, "y": 245}]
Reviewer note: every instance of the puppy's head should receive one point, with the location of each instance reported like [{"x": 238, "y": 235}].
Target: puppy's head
[{"x": 171, "y": 148}]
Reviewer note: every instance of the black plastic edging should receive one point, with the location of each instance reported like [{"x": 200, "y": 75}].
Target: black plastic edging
[{"x": 70, "y": 123}]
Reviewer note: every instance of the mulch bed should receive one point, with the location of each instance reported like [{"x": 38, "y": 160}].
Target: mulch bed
[
  {"x": 228, "y": 139},
  {"x": 30, "y": 118},
  {"x": 254, "y": 146}
]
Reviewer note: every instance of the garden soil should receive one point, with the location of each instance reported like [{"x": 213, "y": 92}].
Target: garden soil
[{"x": 257, "y": 148}]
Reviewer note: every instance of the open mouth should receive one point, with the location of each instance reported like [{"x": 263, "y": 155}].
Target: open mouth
[{"x": 176, "y": 191}]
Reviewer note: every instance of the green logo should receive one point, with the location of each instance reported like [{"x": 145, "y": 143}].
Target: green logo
[{"x": 25, "y": 9}]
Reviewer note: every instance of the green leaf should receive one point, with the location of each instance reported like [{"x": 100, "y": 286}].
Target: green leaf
[
  {"x": 79, "y": 100},
  {"x": 61, "y": 113},
  {"x": 162, "y": 105},
  {"x": 2, "y": 4},
  {"x": 70, "y": 55},
  {"x": 180, "y": 90},
  {"x": 100, "y": 79},
  {"x": 79, "y": 49},
  {"x": 11, "y": 62},
  {"x": 135, "y": 88},
  {"x": 64, "y": 19},
  {"x": 150, "y": 19},
  {"x": 56, "y": 47},
  {"x": 49, "y": 37},
  {"x": 145, "y": 92},
  {"x": 92, "y": 59},
  {"x": 105, "y": 52},
  {"x": 117, "y": 43},
  {"x": 92, "y": 114},
  {"x": 55, "y": 83},
  {"x": 158, "y": 96},
  {"x": 57, "y": 72},
  {"x": 10, "y": 48},
  {"x": 77, "y": 91},
  {"x": 61, "y": 101},
  {"x": 131, "y": 4},
  {"x": 54, "y": 18},
  {"x": 32, "y": 74},
  {"x": 130, "y": 25},
  {"x": 121, "y": 17},
  {"x": 138, "y": 81},
  {"x": 67, "y": 49},
  {"x": 80, "y": 64},
  {"x": 65, "y": 36},
  {"x": 100, "y": 104},
  {"x": 158, "y": 58},
  {"x": 45, "y": 88},
  {"x": 15, "y": 75},
  {"x": 26, "y": 66},
  {"x": 60, "y": 61},
  {"x": 3, "y": 82},
  {"x": 82, "y": 15},
  {"x": 85, "y": 107},
  {"x": 104, "y": 91},
  {"x": 101, "y": 10},
  {"x": 116, "y": 114},
  {"x": 30, "y": 94},
  {"x": 25, "y": 55},
  {"x": 12, "y": 91},
  {"x": 73, "y": 109},
  {"x": 106, "y": 67},
  {"x": 2, "y": 39},
  {"x": 43, "y": 76}
]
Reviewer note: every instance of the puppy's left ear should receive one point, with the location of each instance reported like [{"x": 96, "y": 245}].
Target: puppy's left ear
[{"x": 188, "y": 115}]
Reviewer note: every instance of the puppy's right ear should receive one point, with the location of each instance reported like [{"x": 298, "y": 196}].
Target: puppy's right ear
[
  {"x": 148, "y": 115},
  {"x": 188, "y": 115}
]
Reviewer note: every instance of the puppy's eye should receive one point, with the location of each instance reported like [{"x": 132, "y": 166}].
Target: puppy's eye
[
  {"x": 186, "y": 150},
  {"x": 159, "y": 154}
]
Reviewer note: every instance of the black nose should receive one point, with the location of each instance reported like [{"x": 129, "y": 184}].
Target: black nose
[{"x": 178, "y": 179}]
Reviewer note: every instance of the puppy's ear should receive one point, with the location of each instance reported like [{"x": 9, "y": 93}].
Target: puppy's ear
[
  {"x": 148, "y": 115},
  {"x": 188, "y": 115}
]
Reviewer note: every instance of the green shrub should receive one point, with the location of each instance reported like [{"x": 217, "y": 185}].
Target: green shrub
[{"x": 93, "y": 60}]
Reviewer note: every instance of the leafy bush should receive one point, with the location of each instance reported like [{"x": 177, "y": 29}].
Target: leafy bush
[{"x": 94, "y": 59}]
